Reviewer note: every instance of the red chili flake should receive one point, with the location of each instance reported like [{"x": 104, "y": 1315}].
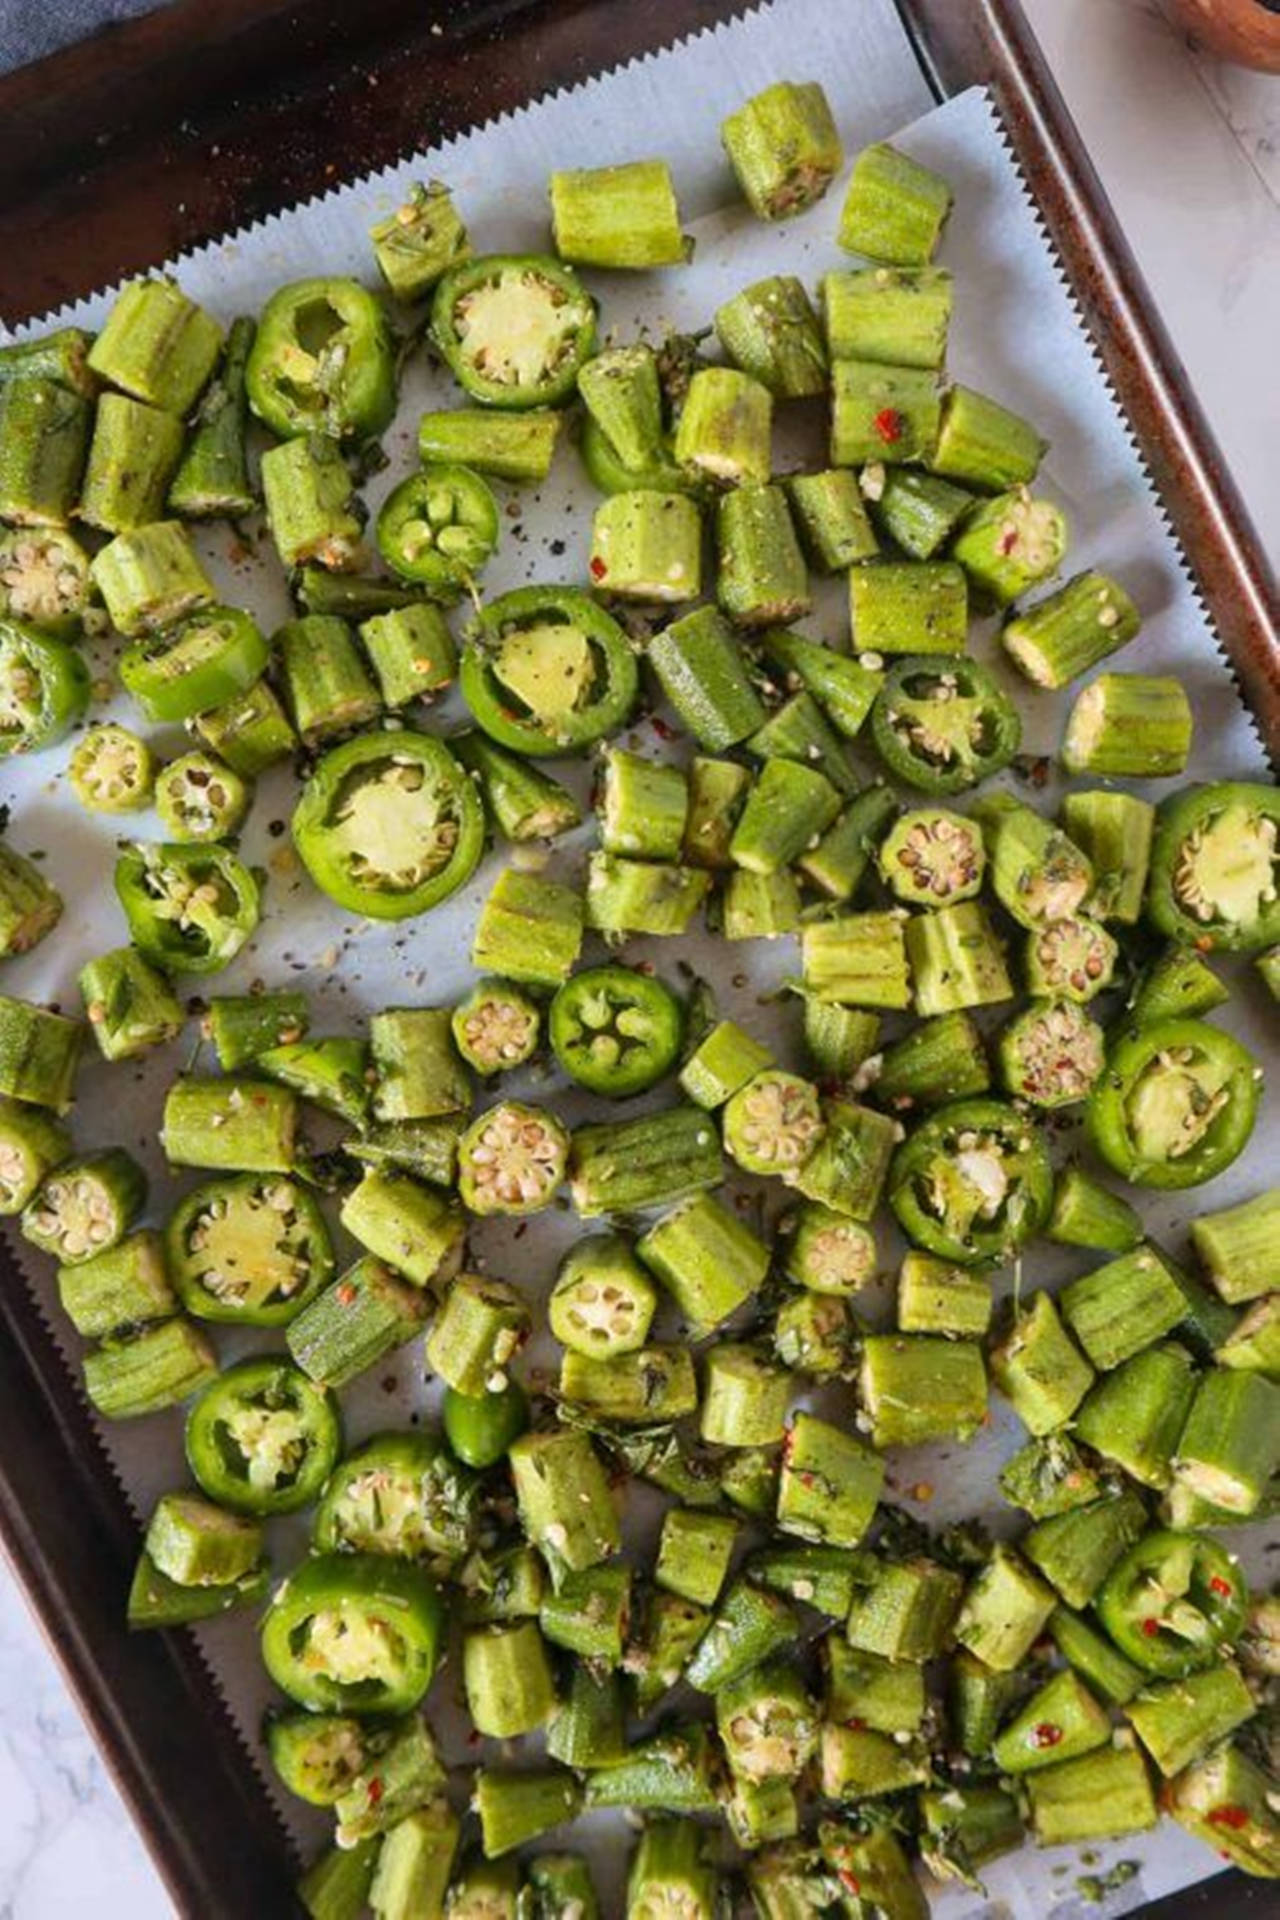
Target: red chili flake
[
  {"x": 1220, "y": 1586},
  {"x": 849, "y": 1881},
  {"x": 1151, "y": 1628},
  {"x": 662, "y": 728},
  {"x": 888, "y": 424},
  {"x": 1234, "y": 1817},
  {"x": 598, "y": 567},
  {"x": 1008, "y": 541},
  {"x": 855, "y": 1726},
  {"x": 346, "y": 1294},
  {"x": 1204, "y": 944},
  {"x": 1046, "y": 1734},
  {"x": 375, "y": 1791}
]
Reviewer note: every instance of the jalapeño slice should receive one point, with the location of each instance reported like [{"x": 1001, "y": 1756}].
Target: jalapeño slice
[
  {"x": 943, "y": 724},
  {"x": 252, "y": 1249},
  {"x": 548, "y": 671}
]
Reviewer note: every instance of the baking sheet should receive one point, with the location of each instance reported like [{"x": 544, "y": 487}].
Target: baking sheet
[{"x": 1015, "y": 334}]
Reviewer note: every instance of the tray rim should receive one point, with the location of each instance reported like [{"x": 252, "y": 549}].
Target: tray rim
[{"x": 217, "y": 1843}]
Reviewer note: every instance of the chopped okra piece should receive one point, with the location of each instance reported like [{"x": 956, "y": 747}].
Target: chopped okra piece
[
  {"x": 1135, "y": 1415},
  {"x": 1239, "y": 1248},
  {"x": 357, "y": 1319},
  {"x": 1092, "y": 1655},
  {"x": 311, "y": 504},
  {"x": 126, "y": 1285},
  {"x": 626, "y": 1166},
  {"x": 30, "y": 905},
  {"x": 146, "y": 1369},
  {"x": 420, "y": 241},
  {"x": 902, "y": 1610},
  {"x": 1114, "y": 832},
  {"x": 787, "y": 810},
  {"x": 1072, "y": 959},
  {"x": 251, "y": 733},
  {"x": 978, "y": 1699},
  {"x": 1230, "y": 1445},
  {"x": 964, "y": 1827},
  {"x": 1130, "y": 724},
  {"x": 415, "y": 1859},
  {"x": 1038, "y": 1367},
  {"x": 490, "y": 1892},
  {"x": 603, "y": 1301},
  {"x": 507, "y": 1676},
  {"x": 844, "y": 854},
  {"x": 637, "y": 896},
  {"x": 706, "y": 1257},
  {"x": 1225, "y": 1799},
  {"x": 919, "y": 512},
  {"x": 197, "y": 1544},
  {"x": 32, "y": 1144},
  {"x": 157, "y": 345},
  {"x": 984, "y": 445},
  {"x": 511, "y": 446},
  {"x": 1096, "y": 1797},
  {"x": 133, "y": 456},
  {"x": 412, "y": 653},
  {"x": 761, "y": 579},
  {"x": 156, "y": 1601},
  {"x": 1052, "y": 1055},
  {"x": 563, "y": 1495},
  {"x": 831, "y": 519},
  {"x": 749, "y": 1624},
  {"x": 621, "y": 216},
  {"x": 417, "y": 1072},
  {"x": 85, "y": 1205},
  {"x": 1254, "y": 1344},
  {"x": 722, "y": 1064},
  {"x": 61, "y": 356},
  {"x": 523, "y": 802},
  {"x": 704, "y": 675},
  {"x": 1005, "y": 546},
  {"x": 213, "y": 479},
  {"x": 768, "y": 1724},
  {"x": 827, "y": 1252},
  {"x": 327, "y": 688},
  {"x": 829, "y": 1485},
  {"x": 848, "y": 1167},
  {"x": 817, "y": 1335},
  {"x": 917, "y": 1387},
  {"x": 151, "y": 577},
  {"x": 1178, "y": 984},
  {"x": 783, "y": 146},
  {"x": 643, "y": 806},
  {"x": 1004, "y": 1610},
  {"x": 894, "y": 209},
  {"x": 838, "y": 1039},
  {"x": 884, "y": 414},
  {"x": 886, "y": 1695},
  {"x": 413, "y": 1227},
  {"x": 942, "y": 1059},
  {"x": 588, "y": 1729},
  {"x": 694, "y": 1550},
  {"x": 232, "y": 1125},
  {"x": 671, "y": 1874},
  {"x": 773, "y": 1123},
  {"x": 651, "y": 1385},
  {"x": 1137, "y": 1299},
  {"x": 844, "y": 688},
  {"x": 857, "y": 1763},
  {"x": 647, "y": 546},
  {"x": 1076, "y": 1550},
  {"x": 936, "y": 1297},
  {"x": 724, "y": 434},
  {"x": 111, "y": 770},
  {"x": 496, "y": 1027},
  {"x": 512, "y": 1159},
  {"x": 1061, "y": 637},
  {"x": 621, "y": 391},
  {"x": 1178, "y": 1721},
  {"x": 44, "y": 431},
  {"x": 332, "y": 1074},
  {"x": 1038, "y": 874},
  {"x": 931, "y": 857},
  {"x": 529, "y": 930},
  {"x": 242, "y": 1026},
  {"x": 1060, "y": 1721},
  {"x": 771, "y": 332},
  {"x": 670, "y": 1628},
  {"x": 857, "y": 960},
  {"x": 480, "y": 1327},
  {"x": 910, "y": 606},
  {"x": 745, "y": 1399},
  {"x": 44, "y": 579},
  {"x": 899, "y": 316},
  {"x": 1087, "y": 1214},
  {"x": 761, "y": 1811},
  {"x": 799, "y": 730}
]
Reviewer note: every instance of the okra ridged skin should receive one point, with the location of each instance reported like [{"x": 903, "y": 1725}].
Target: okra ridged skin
[
  {"x": 770, "y": 331},
  {"x": 1072, "y": 630},
  {"x": 703, "y": 673},
  {"x": 761, "y": 578},
  {"x": 623, "y": 217},
  {"x": 1130, "y": 725},
  {"x": 784, "y": 148}
]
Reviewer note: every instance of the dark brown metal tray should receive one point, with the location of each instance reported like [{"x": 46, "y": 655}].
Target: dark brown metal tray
[{"x": 175, "y": 128}]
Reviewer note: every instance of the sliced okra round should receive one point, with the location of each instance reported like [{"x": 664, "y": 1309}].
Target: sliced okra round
[
  {"x": 615, "y": 1031},
  {"x": 973, "y": 1183},
  {"x": 111, "y": 770},
  {"x": 773, "y": 1124},
  {"x": 496, "y": 1027},
  {"x": 603, "y": 1301},
  {"x": 262, "y": 1438},
  {"x": 512, "y": 1159},
  {"x": 768, "y": 1723},
  {"x": 253, "y": 1248},
  {"x": 438, "y": 528},
  {"x": 44, "y": 579},
  {"x": 943, "y": 725},
  {"x": 1052, "y": 1054},
  {"x": 199, "y": 797},
  {"x": 931, "y": 857},
  {"x": 1070, "y": 959},
  {"x": 829, "y": 1253},
  {"x": 85, "y": 1206},
  {"x": 514, "y": 329}
]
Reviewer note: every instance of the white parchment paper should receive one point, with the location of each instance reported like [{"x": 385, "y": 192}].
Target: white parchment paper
[{"x": 1015, "y": 334}]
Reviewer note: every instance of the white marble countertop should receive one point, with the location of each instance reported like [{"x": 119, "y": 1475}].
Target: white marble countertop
[{"x": 1189, "y": 152}]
